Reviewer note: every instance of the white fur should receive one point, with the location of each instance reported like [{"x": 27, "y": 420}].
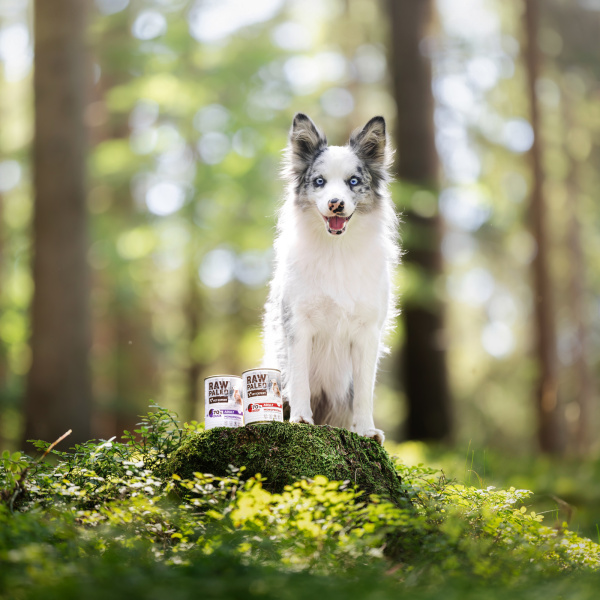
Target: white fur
[{"x": 340, "y": 298}]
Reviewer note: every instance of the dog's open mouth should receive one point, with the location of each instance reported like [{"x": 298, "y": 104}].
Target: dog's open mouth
[{"x": 336, "y": 225}]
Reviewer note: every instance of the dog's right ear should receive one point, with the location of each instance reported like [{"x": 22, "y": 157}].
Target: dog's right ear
[{"x": 305, "y": 141}]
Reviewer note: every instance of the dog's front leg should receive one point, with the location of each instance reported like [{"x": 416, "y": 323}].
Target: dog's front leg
[
  {"x": 298, "y": 389},
  {"x": 365, "y": 352}
]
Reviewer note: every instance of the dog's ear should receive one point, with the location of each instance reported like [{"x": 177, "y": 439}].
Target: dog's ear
[
  {"x": 305, "y": 141},
  {"x": 370, "y": 142},
  {"x": 371, "y": 145}
]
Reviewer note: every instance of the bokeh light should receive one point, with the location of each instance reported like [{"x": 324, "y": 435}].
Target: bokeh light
[
  {"x": 337, "y": 102},
  {"x": 165, "y": 198},
  {"x": 148, "y": 25},
  {"x": 218, "y": 267},
  {"x": 10, "y": 175},
  {"x": 213, "y": 147},
  {"x": 110, "y": 7},
  {"x": 497, "y": 339},
  {"x": 213, "y": 20},
  {"x": 517, "y": 135}
]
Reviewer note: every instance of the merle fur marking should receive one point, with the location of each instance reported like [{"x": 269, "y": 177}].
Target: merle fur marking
[
  {"x": 306, "y": 143},
  {"x": 371, "y": 146},
  {"x": 306, "y": 155}
]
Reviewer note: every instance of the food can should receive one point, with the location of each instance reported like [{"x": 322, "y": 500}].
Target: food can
[
  {"x": 262, "y": 396},
  {"x": 223, "y": 401}
]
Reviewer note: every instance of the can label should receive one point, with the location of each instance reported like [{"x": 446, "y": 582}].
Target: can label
[
  {"x": 223, "y": 401},
  {"x": 262, "y": 396}
]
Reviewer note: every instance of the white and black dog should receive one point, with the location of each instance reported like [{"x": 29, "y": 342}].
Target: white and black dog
[{"x": 331, "y": 297}]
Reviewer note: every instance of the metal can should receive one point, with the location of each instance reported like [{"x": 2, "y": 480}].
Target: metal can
[
  {"x": 223, "y": 401},
  {"x": 262, "y": 396}
]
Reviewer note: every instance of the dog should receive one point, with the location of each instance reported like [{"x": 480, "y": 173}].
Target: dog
[
  {"x": 331, "y": 298},
  {"x": 275, "y": 389},
  {"x": 237, "y": 396}
]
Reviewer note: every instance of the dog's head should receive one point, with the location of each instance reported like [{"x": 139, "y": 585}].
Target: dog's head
[{"x": 338, "y": 181}]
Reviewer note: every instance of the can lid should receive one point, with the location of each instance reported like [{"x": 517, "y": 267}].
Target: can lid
[
  {"x": 213, "y": 376},
  {"x": 261, "y": 369}
]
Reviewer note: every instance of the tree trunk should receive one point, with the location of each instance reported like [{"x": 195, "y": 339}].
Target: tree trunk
[
  {"x": 3, "y": 357},
  {"x": 423, "y": 358},
  {"x": 58, "y": 393},
  {"x": 193, "y": 315},
  {"x": 550, "y": 422},
  {"x": 584, "y": 382},
  {"x": 583, "y": 388}
]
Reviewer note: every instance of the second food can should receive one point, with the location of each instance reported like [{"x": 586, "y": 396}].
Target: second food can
[{"x": 262, "y": 396}]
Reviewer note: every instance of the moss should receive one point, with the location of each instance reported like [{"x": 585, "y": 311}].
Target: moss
[{"x": 286, "y": 452}]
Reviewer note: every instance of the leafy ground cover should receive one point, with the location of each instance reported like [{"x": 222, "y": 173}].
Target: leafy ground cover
[
  {"x": 100, "y": 522},
  {"x": 564, "y": 489}
]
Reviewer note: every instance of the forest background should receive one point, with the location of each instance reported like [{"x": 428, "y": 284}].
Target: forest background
[{"x": 161, "y": 236}]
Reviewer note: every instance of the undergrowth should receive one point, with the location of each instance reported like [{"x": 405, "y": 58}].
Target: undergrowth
[{"x": 100, "y": 520}]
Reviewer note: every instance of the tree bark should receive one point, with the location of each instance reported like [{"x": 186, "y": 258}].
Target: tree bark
[
  {"x": 58, "y": 395},
  {"x": 3, "y": 357},
  {"x": 583, "y": 390},
  {"x": 193, "y": 314},
  {"x": 584, "y": 381},
  {"x": 551, "y": 434},
  {"x": 424, "y": 358}
]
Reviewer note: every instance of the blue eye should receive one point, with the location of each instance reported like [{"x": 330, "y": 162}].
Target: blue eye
[
  {"x": 319, "y": 181},
  {"x": 354, "y": 181}
]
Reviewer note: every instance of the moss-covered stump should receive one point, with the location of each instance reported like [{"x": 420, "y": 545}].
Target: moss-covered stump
[{"x": 286, "y": 452}]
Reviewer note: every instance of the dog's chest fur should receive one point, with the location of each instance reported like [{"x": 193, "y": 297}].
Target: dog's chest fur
[
  {"x": 332, "y": 288},
  {"x": 337, "y": 285}
]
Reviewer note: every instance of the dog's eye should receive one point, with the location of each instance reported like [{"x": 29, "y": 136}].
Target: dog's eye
[
  {"x": 354, "y": 181},
  {"x": 319, "y": 182}
]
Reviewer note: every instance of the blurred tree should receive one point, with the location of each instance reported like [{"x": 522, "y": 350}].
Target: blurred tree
[
  {"x": 58, "y": 393},
  {"x": 423, "y": 356},
  {"x": 551, "y": 432},
  {"x": 584, "y": 383},
  {"x": 584, "y": 388},
  {"x": 3, "y": 367},
  {"x": 194, "y": 319},
  {"x": 575, "y": 59},
  {"x": 125, "y": 375}
]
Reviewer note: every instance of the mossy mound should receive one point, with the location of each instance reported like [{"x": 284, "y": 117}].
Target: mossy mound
[{"x": 286, "y": 452}]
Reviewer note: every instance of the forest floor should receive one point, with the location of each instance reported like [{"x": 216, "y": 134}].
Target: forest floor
[
  {"x": 107, "y": 521},
  {"x": 564, "y": 489}
]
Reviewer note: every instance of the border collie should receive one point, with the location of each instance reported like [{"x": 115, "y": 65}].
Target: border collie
[{"x": 331, "y": 298}]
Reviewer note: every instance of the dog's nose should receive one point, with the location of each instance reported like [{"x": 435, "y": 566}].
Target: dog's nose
[{"x": 336, "y": 206}]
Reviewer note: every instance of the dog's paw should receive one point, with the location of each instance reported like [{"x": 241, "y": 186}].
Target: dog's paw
[
  {"x": 301, "y": 419},
  {"x": 375, "y": 434}
]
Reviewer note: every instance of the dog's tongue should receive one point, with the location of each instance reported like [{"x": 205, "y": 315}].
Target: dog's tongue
[{"x": 336, "y": 222}]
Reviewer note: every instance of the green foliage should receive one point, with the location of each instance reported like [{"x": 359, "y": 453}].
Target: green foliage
[
  {"x": 99, "y": 521},
  {"x": 564, "y": 489},
  {"x": 491, "y": 533}
]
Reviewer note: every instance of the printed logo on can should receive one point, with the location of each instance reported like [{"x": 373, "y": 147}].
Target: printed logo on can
[
  {"x": 262, "y": 396},
  {"x": 223, "y": 401}
]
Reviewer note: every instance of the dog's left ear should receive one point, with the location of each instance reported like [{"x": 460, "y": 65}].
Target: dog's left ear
[
  {"x": 305, "y": 141},
  {"x": 370, "y": 142}
]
